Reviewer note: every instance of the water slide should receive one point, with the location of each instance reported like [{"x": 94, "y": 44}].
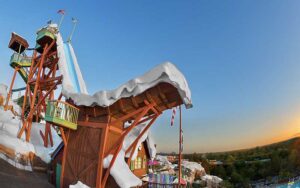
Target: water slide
[{"x": 72, "y": 78}]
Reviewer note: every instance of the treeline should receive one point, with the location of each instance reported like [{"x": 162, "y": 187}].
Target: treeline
[{"x": 272, "y": 163}]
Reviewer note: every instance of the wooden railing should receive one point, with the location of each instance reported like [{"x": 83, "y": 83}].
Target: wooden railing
[
  {"x": 18, "y": 58},
  {"x": 62, "y": 113}
]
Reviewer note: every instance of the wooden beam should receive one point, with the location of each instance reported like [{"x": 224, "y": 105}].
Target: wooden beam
[
  {"x": 115, "y": 129},
  {"x": 92, "y": 124},
  {"x": 133, "y": 146},
  {"x": 10, "y": 88},
  {"x": 121, "y": 106},
  {"x": 135, "y": 104},
  {"x": 63, "y": 135},
  {"x": 37, "y": 85},
  {"x": 64, "y": 160},
  {"x": 102, "y": 149},
  {"x": 120, "y": 141},
  {"x": 141, "y": 134},
  {"x": 163, "y": 97}
]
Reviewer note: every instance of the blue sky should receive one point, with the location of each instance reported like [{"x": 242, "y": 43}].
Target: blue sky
[{"x": 241, "y": 59}]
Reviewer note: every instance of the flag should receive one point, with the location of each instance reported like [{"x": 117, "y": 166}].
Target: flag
[
  {"x": 61, "y": 11},
  {"x": 173, "y": 116},
  {"x": 74, "y": 20}
]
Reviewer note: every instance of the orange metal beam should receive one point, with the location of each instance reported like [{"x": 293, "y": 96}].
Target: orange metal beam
[
  {"x": 141, "y": 134},
  {"x": 29, "y": 118},
  {"x": 104, "y": 138},
  {"x": 92, "y": 124},
  {"x": 63, "y": 135},
  {"x": 64, "y": 160},
  {"x": 133, "y": 146},
  {"x": 120, "y": 141},
  {"x": 10, "y": 88}
]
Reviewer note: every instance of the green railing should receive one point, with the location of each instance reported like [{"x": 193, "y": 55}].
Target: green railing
[
  {"x": 62, "y": 114},
  {"x": 20, "y": 60},
  {"x": 45, "y": 36}
]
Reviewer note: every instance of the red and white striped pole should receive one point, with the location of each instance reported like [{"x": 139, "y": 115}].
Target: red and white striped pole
[{"x": 173, "y": 116}]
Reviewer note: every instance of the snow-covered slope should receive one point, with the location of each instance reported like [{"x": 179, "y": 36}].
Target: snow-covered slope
[
  {"x": 72, "y": 78},
  {"x": 10, "y": 125},
  {"x": 121, "y": 173}
]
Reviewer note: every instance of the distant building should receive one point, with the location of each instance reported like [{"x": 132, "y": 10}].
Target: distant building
[
  {"x": 172, "y": 158},
  {"x": 215, "y": 162},
  {"x": 258, "y": 161}
]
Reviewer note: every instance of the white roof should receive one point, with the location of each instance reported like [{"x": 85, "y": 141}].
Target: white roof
[{"x": 163, "y": 73}]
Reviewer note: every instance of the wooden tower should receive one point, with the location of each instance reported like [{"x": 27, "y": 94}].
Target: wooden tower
[{"x": 42, "y": 80}]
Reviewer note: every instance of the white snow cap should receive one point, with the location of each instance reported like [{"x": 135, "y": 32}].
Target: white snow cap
[
  {"x": 193, "y": 166},
  {"x": 163, "y": 73},
  {"x": 69, "y": 69},
  {"x": 9, "y": 128},
  {"x": 133, "y": 134},
  {"x": 79, "y": 184},
  {"x": 212, "y": 179},
  {"x": 163, "y": 160},
  {"x": 121, "y": 173},
  {"x": 3, "y": 90}
]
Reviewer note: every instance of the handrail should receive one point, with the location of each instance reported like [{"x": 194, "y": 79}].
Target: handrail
[
  {"x": 62, "y": 111},
  {"x": 16, "y": 57},
  {"x": 64, "y": 103}
]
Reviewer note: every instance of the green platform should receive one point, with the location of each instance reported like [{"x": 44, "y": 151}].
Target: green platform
[
  {"x": 44, "y": 37},
  {"x": 18, "y": 60},
  {"x": 62, "y": 114}
]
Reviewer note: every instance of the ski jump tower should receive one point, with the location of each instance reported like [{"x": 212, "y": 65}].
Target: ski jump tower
[
  {"x": 39, "y": 72},
  {"x": 93, "y": 128}
]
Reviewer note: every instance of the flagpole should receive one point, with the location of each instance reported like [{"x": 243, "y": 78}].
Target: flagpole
[
  {"x": 180, "y": 144},
  {"x": 61, "y": 20},
  {"x": 74, "y": 26}
]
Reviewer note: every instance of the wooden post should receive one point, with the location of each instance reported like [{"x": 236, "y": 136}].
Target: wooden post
[
  {"x": 120, "y": 141},
  {"x": 13, "y": 80},
  {"x": 10, "y": 88},
  {"x": 180, "y": 144},
  {"x": 64, "y": 159},
  {"x": 104, "y": 139}
]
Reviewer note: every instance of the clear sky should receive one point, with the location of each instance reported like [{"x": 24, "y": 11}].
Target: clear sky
[{"x": 241, "y": 59}]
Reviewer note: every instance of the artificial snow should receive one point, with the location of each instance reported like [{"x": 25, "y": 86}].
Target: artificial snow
[
  {"x": 10, "y": 125},
  {"x": 3, "y": 90},
  {"x": 72, "y": 78},
  {"x": 120, "y": 171},
  {"x": 163, "y": 160},
  {"x": 79, "y": 184},
  {"x": 151, "y": 146},
  {"x": 163, "y": 73},
  {"x": 193, "y": 166},
  {"x": 211, "y": 179},
  {"x": 131, "y": 137}
]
